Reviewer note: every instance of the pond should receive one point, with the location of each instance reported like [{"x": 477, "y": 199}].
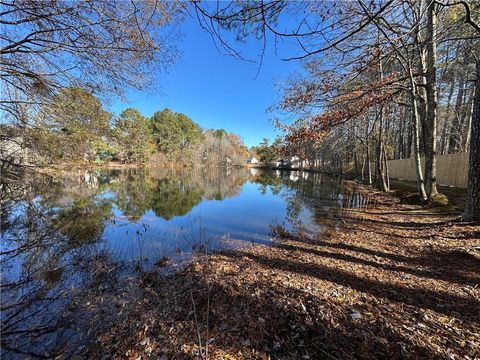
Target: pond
[{"x": 84, "y": 231}]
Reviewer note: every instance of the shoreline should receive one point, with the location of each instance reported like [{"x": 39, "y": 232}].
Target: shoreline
[{"x": 386, "y": 283}]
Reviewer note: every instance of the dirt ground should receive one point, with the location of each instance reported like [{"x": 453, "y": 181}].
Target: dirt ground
[{"x": 397, "y": 281}]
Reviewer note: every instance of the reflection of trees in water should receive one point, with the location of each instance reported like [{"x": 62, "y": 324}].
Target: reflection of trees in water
[
  {"x": 41, "y": 272},
  {"x": 174, "y": 197},
  {"x": 39, "y": 314},
  {"x": 269, "y": 180},
  {"x": 173, "y": 191},
  {"x": 323, "y": 195},
  {"x": 51, "y": 222},
  {"x": 51, "y": 258},
  {"x": 214, "y": 183},
  {"x": 84, "y": 220},
  {"x": 133, "y": 192}
]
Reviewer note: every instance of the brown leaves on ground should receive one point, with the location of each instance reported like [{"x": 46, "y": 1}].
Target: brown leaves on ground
[{"x": 394, "y": 282}]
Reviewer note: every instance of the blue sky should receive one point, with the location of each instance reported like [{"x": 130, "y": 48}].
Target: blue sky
[{"x": 216, "y": 90}]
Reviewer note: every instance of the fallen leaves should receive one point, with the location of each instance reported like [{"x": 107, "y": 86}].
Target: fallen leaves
[{"x": 396, "y": 282}]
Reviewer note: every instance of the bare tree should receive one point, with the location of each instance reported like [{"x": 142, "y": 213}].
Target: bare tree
[
  {"x": 97, "y": 45},
  {"x": 413, "y": 37}
]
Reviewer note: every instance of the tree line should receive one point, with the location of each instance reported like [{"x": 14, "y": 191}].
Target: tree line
[{"x": 75, "y": 128}]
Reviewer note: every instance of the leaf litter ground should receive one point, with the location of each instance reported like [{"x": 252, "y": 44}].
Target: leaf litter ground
[{"x": 396, "y": 281}]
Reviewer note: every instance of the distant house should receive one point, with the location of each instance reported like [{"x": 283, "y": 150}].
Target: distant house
[
  {"x": 253, "y": 160},
  {"x": 294, "y": 162},
  {"x": 13, "y": 149}
]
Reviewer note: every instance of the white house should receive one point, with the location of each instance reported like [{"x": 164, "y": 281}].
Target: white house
[
  {"x": 253, "y": 160},
  {"x": 294, "y": 162}
]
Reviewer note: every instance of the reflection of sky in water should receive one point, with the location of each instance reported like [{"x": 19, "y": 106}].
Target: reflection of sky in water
[
  {"x": 244, "y": 218},
  {"x": 155, "y": 213},
  {"x": 58, "y": 235}
]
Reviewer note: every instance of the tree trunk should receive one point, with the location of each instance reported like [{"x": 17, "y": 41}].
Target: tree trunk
[
  {"x": 387, "y": 176},
  {"x": 422, "y": 101},
  {"x": 409, "y": 147},
  {"x": 446, "y": 121},
  {"x": 466, "y": 123},
  {"x": 472, "y": 206},
  {"x": 363, "y": 167},
  {"x": 356, "y": 165},
  {"x": 431, "y": 121},
  {"x": 469, "y": 124},
  {"x": 454, "y": 138},
  {"x": 416, "y": 137},
  {"x": 381, "y": 184},
  {"x": 367, "y": 145}
]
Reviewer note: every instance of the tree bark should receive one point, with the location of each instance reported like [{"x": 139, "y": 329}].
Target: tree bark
[
  {"x": 454, "y": 138},
  {"x": 466, "y": 144},
  {"x": 446, "y": 122},
  {"x": 466, "y": 121},
  {"x": 387, "y": 175},
  {"x": 381, "y": 184},
  {"x": 367, "y": 146},
  {"x": 431, "y": 120},
  {"x": 472, "y": 206},
  {"x": 416, "y": 137},
  {"x": 363, "y": 167},
  {"x": 421, "y": 99}
]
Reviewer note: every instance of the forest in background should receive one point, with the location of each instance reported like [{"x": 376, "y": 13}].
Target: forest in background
[
  {"x": 389, "y": 275},
  {"x": 76, "y": 129}
]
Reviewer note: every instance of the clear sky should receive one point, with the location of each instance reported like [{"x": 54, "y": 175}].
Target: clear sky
[{"x": 216, "y": 90}]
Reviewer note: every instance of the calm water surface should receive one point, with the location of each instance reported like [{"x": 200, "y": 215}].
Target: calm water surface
[{"x": 67, "y": 237}]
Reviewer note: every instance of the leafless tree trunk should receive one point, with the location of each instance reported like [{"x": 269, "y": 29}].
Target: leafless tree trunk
[
  {"x": 466, "y": 143},
  {"x": 431, "y": 123},
  {"x": 454, "y": 138},
  {"x": 472, "y": 207},
  {"x": 369, "y": 168},
  {"x": 416, "y": 137},
  {"x": 381, "y": 184},
  {"x": 446, "y": 123}
]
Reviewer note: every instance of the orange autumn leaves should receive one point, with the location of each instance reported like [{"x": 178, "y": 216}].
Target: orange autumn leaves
[{"x": 349, "y": 103}]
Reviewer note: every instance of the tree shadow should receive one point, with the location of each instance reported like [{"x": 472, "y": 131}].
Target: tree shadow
[
  {"x": 286, "y": 323},
  {"x": 255, "y": 318},
  {"x": 439, "y": 265},
  {"x": 411, "y": 225},
  {"x": 462, "y": 308}
]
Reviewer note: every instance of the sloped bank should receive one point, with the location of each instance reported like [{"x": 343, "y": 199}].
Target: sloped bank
[{"x": 396, "y": 281}]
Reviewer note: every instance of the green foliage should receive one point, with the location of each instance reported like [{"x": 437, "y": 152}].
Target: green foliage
[
  {"x": 137, "y": 192},
  {"x": 132, "y": 137},
  {"x": 173, "y": 198},
  {"x": 265, "y": 152},
  {"x": 73, "y": 127},
  {"x": 134, "y": 191},
  {"x": 220, "y": 133},
  {"x": 77, "y": 128},
  {"x": 175, "y": 134},
  {"x": 84, "y": 220}
]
